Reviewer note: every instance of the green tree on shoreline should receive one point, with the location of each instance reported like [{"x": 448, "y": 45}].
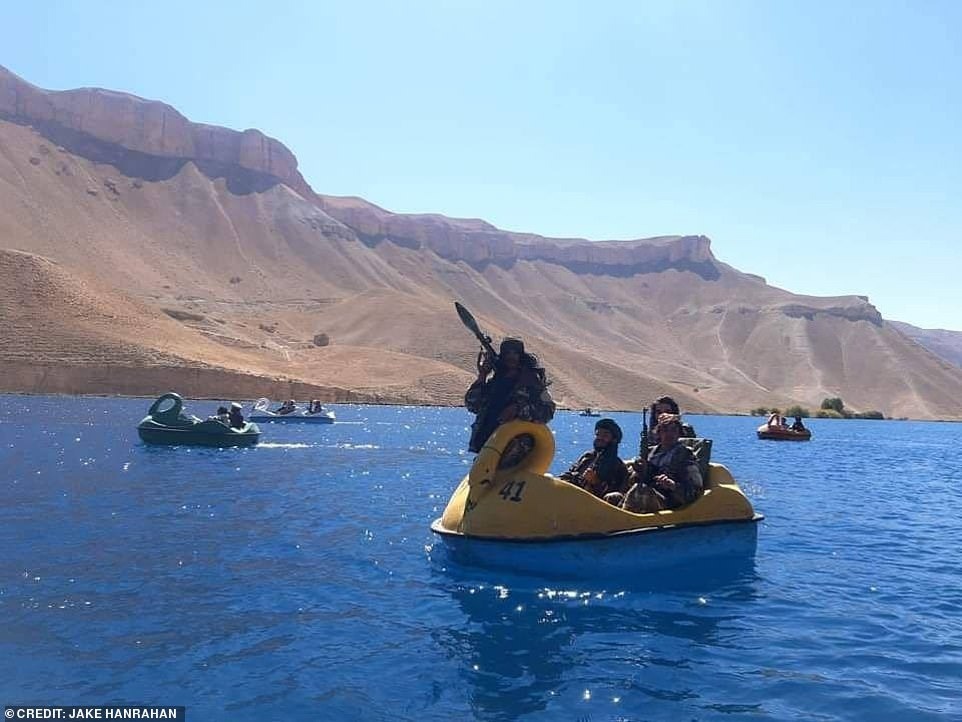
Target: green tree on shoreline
[
  {"x": 833, "y": 404},
  {"x": 831, "y": 408}
]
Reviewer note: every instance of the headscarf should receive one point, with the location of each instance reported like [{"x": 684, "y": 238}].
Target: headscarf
[
  {"x": 529, "y": 362},
  {"x": 512, "y": 343},
  {"x": 612, "y": 426}
]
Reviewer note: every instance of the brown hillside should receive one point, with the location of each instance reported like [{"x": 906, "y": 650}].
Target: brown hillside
[
  {"x": 200, "y": 247},
  {"x": 944, "y": 344},
  {"x": 61, "y": 332}
]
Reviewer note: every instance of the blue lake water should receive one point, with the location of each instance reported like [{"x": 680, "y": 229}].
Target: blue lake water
[{"x": 299, "y": 579}]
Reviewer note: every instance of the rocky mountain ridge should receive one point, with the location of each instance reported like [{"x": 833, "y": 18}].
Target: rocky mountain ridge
[
  {"x": 943, "y": 343},
  {"x": 155, "y": 129},
  {"x": 145, "y": 126},
  {"x": 219, "y": 230}
]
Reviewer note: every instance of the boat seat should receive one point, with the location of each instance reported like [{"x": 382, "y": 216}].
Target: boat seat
[{"x": 701, "y": 448}]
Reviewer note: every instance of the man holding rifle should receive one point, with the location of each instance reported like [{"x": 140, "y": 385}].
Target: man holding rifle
[
  {"x": 600, "y": 470},
  {"x": 517, "y": 390},
  {"x": 668, "y": 478}
]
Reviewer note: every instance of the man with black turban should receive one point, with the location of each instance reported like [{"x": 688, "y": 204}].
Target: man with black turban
[
  {"x": 600, "y": 471},
  {"x": 518, "y": 390}
]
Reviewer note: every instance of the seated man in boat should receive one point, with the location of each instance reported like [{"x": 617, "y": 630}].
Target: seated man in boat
[
  {"x": 315, "y": 407},
  {"x": 798, "y": 425},
  {"x": 667, "y": 405},
  {"x": 517, "y": 390},
  {"x": 776, "y": 421},
  {"x": 600, "y": 471},
  {"x": 670, "y": 477},
  {"x": 288, "y": 407},
  {"x": 223, "y": 416},
  {"x": 235, "y": 416}
]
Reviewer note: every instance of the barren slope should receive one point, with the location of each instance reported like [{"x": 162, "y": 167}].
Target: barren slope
[
  {"x": 219, "y": 229},
  {"x": 944, "y": 344},
  {"x": 62, "y": 332}
]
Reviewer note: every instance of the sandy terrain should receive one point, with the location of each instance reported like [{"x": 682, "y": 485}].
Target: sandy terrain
[{"x": 139, "y": 271}]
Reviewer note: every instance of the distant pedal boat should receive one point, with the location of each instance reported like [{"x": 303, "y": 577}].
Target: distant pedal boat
[
  {"x": 262, "y": 414},
  {"x": 776, "y": 433},
  {"x": 171, "y": 427}
]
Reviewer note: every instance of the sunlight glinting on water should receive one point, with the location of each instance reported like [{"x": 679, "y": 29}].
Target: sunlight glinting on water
[{"x": 299, "y": 578}]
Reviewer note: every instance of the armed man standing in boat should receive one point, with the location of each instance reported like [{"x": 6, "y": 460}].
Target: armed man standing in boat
[
  {"x": 600, "y": 470},
  {"x": 517, "y": 390}
]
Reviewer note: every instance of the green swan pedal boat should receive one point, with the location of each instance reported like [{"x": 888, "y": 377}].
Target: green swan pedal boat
[
  {"x": 524, "y": 519},
  {"x": 171, "y": 427}
]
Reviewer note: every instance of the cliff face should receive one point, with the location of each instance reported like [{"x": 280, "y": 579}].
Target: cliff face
[
  {"x": 145, "y": 126},
  {"x": 479, "y": 243},
  {"x": 856, "y": 310},
  {"x": 218, "y": 230},
  {"x": 156, "y": 129}
]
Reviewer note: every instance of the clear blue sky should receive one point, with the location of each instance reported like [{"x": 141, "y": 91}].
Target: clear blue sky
[{"x": 818, "y": 144}]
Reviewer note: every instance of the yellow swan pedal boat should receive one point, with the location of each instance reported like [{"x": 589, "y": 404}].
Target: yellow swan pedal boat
[{"x": 523, "y": 518}]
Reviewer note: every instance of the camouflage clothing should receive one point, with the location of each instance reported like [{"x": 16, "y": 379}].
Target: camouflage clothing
[
  {"x": 488, "y": 398},
  {"x": 676, "y": 462},
  {"x": 612, "y": 472}
]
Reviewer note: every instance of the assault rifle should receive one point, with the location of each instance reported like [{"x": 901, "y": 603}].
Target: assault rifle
[
  {"x": 642, "y": 446},
  {"x": 643, "y": 442}
]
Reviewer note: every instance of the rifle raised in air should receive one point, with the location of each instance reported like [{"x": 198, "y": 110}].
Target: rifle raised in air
[{"x": 472, "y": 325}]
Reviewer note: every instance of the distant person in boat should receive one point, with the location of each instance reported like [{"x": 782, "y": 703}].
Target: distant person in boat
[
  {"x": 315, "y": 407},
  {"x": 667, "y": 405},
  {"x": 288, "y": 407},
  {"x": 600, "y": 470},
  {"x": 223, "y": 416},
  {"x": 798, "y": 425},
  {"x": 776, "y": 421},
  {"x": 517, "y": 390},
  {"x": 670, "y": 477},
  {"x": 235, "y": 416}
]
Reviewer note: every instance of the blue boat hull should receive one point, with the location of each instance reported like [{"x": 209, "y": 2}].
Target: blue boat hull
[
  {"x": 684, "y": 550},
  {"x": 291, "y": 419}
]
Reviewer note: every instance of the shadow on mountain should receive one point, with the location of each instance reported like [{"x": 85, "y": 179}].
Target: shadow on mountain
[
  {"x": 707, "y": 270},
  {"x": 144, "y": 166}
]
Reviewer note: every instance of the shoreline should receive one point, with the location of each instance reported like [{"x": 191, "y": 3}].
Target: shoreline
[{"x": 95, "y": 395}]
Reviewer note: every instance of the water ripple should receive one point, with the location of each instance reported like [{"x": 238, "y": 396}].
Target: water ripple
[{"x": 298, "y": 579}]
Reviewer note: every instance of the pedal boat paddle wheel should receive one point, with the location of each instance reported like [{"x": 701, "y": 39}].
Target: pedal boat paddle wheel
[{"x": 524, "y": 519}]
